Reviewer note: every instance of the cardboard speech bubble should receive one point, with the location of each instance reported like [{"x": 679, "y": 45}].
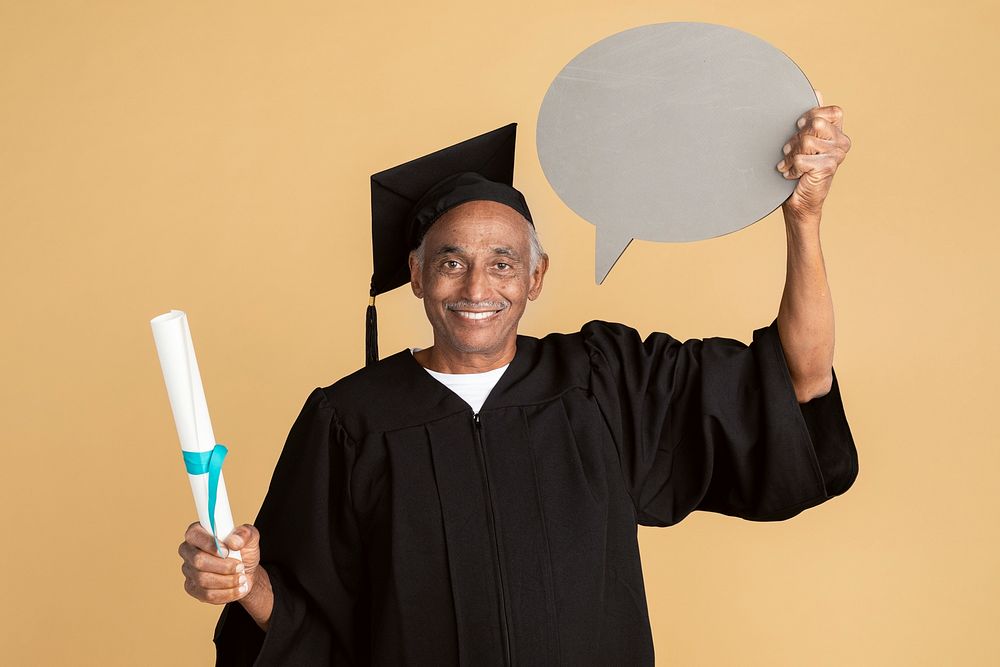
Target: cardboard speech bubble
[{"x": 671, "y": 132}]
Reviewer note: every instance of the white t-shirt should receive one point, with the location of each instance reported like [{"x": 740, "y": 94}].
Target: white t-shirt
[{"x": 473, "y": 388}]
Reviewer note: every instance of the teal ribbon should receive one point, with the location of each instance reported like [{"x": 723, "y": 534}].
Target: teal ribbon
[{"x": 200, "y": 463}]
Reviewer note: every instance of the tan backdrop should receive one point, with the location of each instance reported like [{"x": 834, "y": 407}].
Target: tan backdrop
[{"x": 215, "y": 157}]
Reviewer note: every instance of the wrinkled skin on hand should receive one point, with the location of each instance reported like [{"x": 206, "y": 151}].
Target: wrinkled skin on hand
[
  {"x": 813, "y": 155},
  {"x": 214, "y": 579}
]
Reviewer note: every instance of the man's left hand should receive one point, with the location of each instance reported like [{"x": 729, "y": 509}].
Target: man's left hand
[{"x": 812, "y": 155}]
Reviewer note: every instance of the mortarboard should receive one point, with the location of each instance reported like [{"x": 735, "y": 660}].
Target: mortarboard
[{"x": 408, "y": 198}]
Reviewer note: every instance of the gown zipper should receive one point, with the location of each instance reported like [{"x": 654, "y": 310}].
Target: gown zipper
[{"x": 504, "y": 623}]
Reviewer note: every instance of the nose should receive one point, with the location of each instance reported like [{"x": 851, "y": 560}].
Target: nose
[{"x": 477, "y": 284}]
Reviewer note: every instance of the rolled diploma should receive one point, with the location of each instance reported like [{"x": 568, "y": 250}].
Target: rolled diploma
[{"x": 187, "y": 401}]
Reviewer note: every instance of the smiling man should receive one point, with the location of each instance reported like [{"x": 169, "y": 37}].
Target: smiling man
[
  {"x": 477, "y": 502},
  {"x": 483, "y": 265}
]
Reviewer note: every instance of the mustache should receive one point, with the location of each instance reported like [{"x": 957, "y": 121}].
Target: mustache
[{"x": 477, "y": 305}]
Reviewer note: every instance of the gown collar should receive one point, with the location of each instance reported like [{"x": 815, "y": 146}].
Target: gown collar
[
  {"x": 397, "y": 392},
  {"x": 429, "y": 392}
]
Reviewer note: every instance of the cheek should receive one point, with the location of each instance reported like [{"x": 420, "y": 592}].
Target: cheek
[
  {"x": 434, "y": 283},
  {"x": 515, "y": 291}
]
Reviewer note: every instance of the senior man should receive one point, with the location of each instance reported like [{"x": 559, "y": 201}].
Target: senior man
[{"x": 477, "y": 502}]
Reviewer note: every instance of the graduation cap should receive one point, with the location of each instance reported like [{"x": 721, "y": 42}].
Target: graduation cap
[{"x": 409, "y": 198}]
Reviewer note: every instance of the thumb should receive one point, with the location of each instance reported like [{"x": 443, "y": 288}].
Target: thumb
[{"x": 245, "y": 536}]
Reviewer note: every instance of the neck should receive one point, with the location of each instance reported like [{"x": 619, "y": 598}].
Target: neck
[{"x": 442, "y": 360}]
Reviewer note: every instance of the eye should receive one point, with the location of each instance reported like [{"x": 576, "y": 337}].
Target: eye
[{"x": 503, "y": 266}]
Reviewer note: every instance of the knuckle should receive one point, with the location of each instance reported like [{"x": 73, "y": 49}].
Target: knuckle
[{"x": 187, "y": 552}]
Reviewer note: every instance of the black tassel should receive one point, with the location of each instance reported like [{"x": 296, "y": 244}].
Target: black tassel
[{"x": 371, "y": 333}]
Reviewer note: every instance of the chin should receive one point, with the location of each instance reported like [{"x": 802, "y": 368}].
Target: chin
[
  {"x": 479, "y": 342},
  {"x": 476, "y": 346}
]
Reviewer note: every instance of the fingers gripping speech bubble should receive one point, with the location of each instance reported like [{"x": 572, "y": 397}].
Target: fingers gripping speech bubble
[{"x": 671, "y": 132}]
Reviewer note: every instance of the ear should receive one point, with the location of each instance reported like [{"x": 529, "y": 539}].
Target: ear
[
  {"x": 538, "y": 277},
  {"x": 416, "y": 278}
]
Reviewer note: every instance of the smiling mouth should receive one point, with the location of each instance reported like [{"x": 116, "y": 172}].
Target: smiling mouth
[{"x": 475, "y": 314}]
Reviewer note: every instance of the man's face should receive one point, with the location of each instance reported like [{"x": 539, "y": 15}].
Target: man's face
[{"x": 476, "y": 278}]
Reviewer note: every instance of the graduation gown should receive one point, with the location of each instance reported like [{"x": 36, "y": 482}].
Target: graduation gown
[{"x": 400, "y": 528}]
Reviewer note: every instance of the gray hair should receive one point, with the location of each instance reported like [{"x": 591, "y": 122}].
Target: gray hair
[{"x": 536, "y": 249}]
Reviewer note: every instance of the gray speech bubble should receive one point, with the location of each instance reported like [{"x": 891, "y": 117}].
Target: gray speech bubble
[{"x": 671, "y": 132}]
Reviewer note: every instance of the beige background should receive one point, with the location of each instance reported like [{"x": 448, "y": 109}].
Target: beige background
[{"x": 215, "y": 157}]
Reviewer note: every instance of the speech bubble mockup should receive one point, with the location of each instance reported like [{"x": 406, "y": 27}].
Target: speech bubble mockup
[{"x": 671, "y": 132}]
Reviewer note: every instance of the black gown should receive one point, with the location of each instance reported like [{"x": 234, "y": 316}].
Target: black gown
[{"x": 400, "y": 528}]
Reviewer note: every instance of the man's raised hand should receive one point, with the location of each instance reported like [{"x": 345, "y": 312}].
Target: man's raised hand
[{"x": 812, "y": 155}]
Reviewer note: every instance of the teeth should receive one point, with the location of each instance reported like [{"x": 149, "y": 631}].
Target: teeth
[{"x": 475, "y": 316}]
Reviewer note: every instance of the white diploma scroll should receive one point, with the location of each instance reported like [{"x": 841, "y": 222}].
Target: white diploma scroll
[{"x": 187, "y": 400}]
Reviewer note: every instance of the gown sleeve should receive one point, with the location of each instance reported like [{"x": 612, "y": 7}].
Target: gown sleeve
[
  {"x": 310, "y": 549},
  {"x": 714, "y": 425}
]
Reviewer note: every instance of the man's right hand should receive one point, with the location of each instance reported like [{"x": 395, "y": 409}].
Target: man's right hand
[{"x": 219, "y": 580}]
